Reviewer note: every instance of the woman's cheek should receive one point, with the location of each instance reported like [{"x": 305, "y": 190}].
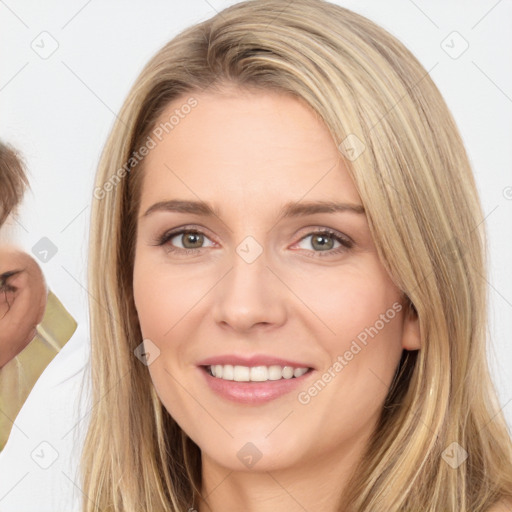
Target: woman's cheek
[
  {"x": 346, "y": 301},
  {"x": 161, "y": 295}
]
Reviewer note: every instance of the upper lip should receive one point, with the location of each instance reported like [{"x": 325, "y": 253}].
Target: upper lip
[{"x": 253, "y": 360}]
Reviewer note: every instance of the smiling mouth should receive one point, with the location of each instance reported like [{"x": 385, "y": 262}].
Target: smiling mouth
[{"x": 239, "y": 373}]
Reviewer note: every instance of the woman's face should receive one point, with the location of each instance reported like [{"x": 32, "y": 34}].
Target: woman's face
[{"x": 272, "y": 278}]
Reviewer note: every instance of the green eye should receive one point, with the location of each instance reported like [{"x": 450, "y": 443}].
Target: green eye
[
  {"x": 324, "y": 243},
  {"x": 190, "y": 239}
]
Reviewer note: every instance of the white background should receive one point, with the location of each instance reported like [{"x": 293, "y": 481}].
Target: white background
[{"x": 58, "y": 111}]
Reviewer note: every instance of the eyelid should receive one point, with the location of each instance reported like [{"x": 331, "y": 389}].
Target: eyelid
[
  {"x": 4, "y": 279},
  {"x": 315, "y": 230}
]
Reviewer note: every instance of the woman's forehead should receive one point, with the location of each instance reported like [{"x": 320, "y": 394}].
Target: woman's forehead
[{"x": 261, "y": 143}]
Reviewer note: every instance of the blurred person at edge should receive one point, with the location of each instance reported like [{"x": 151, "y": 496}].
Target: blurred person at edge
[{"x": 34, "y": 325}]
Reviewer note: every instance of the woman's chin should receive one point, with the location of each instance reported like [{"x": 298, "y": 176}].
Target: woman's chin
[{"x": 255, "y": 454}]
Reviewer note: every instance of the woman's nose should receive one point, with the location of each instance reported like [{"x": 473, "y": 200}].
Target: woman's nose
[{"x": 250, "y": 295}]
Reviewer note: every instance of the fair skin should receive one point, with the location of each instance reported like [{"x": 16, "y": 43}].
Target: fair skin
[
  {"x": 502, "y": 506},
  {"x": 23, "y": 295},
  {"x": 248, "y": 154}
]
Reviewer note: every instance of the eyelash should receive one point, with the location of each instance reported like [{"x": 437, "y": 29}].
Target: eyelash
[
  {"x": 4, "y": 281},
  {"x": 5, "y": 287},
  {"x": 345, "y": 242}
]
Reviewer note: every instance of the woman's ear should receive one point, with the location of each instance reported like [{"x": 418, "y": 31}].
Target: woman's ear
[{"x": 411, "y": 335}]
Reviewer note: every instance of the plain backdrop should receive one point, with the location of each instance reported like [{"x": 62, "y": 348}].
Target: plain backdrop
[{"x": 66, "y": 67}]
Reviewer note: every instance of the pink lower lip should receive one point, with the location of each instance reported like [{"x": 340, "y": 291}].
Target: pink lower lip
[{"x": 252, "y": 392}]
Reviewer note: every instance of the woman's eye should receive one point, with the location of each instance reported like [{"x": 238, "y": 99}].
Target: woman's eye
[
  {"x": 325, "y": 241},
  {"x": 185, "y": 240}
]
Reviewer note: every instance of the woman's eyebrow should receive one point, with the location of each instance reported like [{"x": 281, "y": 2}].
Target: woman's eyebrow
[
  {"x": 291, "y": 209},
  {"x": 298, "y": 209},
  {"x": 183, "y": 206}
]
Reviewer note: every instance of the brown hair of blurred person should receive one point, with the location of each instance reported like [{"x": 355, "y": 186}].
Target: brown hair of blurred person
[{"x": 13, "y": 181}]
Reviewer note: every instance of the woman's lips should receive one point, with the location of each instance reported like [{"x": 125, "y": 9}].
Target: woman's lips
[{"x": 252, "y": 393}]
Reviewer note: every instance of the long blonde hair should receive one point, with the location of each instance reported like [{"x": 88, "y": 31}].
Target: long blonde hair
[{"x": 417, "y": 188}]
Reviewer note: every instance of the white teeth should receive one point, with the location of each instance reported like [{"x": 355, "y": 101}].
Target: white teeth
[
  {"x": 241, "y": 374},
  {"x": 299, "y": 371},
  {"x": 255, "y": 373},
  {"x": 228, "y": 372},
  {"x": 287, "y": 372},
  {"x": 275, "y": 372},
  {"x": 259, "y": 373}
]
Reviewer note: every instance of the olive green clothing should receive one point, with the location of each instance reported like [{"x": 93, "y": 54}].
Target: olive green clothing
[{"x": 18, "y": 376}]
